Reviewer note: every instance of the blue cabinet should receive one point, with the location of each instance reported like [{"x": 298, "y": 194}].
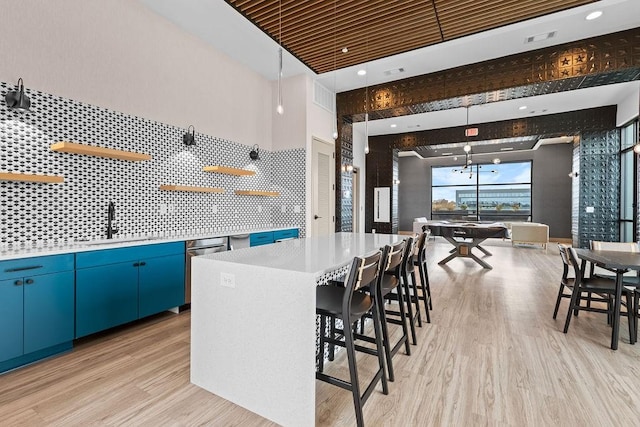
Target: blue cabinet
[
  {"x": 267, "y": 237},
  {"x": 259, "y": 239},
  {"x": 160, "y": 284},
  {"x": 11, "y": 315},
  {"x": 36, "y": 308},
  {"x": 117, "y": 286},
  {"x": 106, "y": 296}
]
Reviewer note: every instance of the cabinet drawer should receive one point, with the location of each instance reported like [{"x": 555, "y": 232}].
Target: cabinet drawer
[
  {"x": 264, "y": 238},
  {"x": 285, "y": 234},
  {"x": 35, "y": 266},
  {"x": 133, "y": 253}
]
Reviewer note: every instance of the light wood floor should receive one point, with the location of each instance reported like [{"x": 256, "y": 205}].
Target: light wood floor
[{"x": 492, "y": 356}]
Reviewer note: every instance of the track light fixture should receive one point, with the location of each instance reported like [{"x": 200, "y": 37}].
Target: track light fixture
[
  {"x": 17, "y": 100},
  {"x": 189, "y": 138}
]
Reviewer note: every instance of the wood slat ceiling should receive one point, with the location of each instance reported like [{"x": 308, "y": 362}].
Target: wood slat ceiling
[{"x": 315, "y": 31}]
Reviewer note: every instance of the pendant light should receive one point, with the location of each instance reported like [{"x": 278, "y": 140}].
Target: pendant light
[
  {"x": 279, "y": 107},
  {"x": 366, "y": 105},
  {"x": 335, "y": 52}
]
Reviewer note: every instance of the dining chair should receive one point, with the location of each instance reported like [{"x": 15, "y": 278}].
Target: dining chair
[
  {"x": 349, "y": 304},
  {"x": 603, "y": 290}
]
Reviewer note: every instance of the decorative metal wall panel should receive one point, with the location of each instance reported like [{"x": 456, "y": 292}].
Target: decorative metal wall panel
[
  {"x": 77, "y": 209},
  {"x": 599, "y": 187},
  {"x": 613, "y": 58}
]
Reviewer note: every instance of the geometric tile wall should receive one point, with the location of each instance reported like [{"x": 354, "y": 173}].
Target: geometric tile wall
[
  {"x": 599, "y": 177},
  {"x": 43, "y": 214}
]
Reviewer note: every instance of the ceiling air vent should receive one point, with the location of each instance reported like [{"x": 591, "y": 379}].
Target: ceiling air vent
[
  {"x": 393, "y": 71},
  {"x": 540, "y": 37},
  {"x": 324, "y": 97}
]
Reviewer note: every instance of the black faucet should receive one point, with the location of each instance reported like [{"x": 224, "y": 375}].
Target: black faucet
[{"x": 111, "y": 216}]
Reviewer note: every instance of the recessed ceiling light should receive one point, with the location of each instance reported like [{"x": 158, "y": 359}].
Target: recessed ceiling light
[
  {"x": 594, "y": 15},
  {"x": 522, "y": 107},
  {"x": 362, "y": 72},
  {"x": 345, "y": 49},
  {"x": 393, "y": 125}
]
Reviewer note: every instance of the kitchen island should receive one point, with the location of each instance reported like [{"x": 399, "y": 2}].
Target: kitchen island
[{"x": 253, "y": 321}]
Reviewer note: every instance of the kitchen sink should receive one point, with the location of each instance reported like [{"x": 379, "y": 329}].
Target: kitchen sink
[{"x": 114, "y": 241}]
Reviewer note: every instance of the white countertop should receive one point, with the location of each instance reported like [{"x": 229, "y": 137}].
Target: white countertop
[
  {"x": 316, "y": 255},
  {"x": 28, "y": 251}
]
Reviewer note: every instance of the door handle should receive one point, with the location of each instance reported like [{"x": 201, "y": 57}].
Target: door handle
[
  {"x": 18, "y": 283},
  {"x": 29, "y": 281},
  {"x": 316, "y": 217}
]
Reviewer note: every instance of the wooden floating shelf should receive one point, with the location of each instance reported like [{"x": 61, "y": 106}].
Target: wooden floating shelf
[
  {"x": 89, "y": 150},
  {"x": 28, "y": 177},
  {"x": 227, "y": 170},
  {"x": 257, "y": 193},
  {"x": 192, "y": 189}
]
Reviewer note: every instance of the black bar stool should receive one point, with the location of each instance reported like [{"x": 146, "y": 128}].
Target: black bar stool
[
  {"x": 390, "y": 281},
  {"x": 420, "y": 261},
  {"x": 349, "y": 304}
]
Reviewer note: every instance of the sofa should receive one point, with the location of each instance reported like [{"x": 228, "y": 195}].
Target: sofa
[
  {"x": 418, "y": 223},
  {"x": 529, "y": 233}
]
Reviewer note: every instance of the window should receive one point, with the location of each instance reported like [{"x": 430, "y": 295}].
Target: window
[
  {"x": 484, "y": 192},
  {"x": 627, "y": 183}
]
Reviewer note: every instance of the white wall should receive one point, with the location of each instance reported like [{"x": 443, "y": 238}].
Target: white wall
[
  {"x": 628, "y": 107},
  {"x": 290, "y": 128},
  {"x": 359, "y": 161},
  {"x": 120, "y": 55}
]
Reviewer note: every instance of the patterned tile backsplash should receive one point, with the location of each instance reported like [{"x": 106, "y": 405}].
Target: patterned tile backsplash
[{"x": 33, "y": 213}]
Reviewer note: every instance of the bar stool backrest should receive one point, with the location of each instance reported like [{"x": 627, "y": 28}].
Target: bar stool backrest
[
  {"x": 394, "y": 258},
  {"x": 365, "y": 270},
  {"x": 421, "y": 246},
  {"x": 407, "y": 258}
]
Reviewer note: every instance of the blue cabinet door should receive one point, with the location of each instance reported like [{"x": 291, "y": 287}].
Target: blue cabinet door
[
  {"x": 259, "y": 239},
  {"x": 106, "y": 296},
  {"x": 48, "y": 310},
  {"x": 11, "y": 313},
  {"x": 161, "y": 284}
]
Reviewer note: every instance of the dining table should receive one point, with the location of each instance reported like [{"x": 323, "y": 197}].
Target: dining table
[{"x": 620, "y": 263}]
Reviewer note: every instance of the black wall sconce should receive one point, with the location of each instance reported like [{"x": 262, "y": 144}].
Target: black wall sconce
[
  {"x": 17, "y": 100},
  {"x": 189, "y": 138},
  {"x": 255, "y": 153}
]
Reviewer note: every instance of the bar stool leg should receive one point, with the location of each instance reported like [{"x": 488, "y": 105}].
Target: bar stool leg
[
  {"x": 323, "y": 331},
  {"x": 355, "y": 387},
  {"x": 403, "y": 320},
  {"x": 409, "y": 308},
  {"x": 385, "y": 338}
]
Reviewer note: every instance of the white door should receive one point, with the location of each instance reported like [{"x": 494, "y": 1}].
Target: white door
[{"x": 322, "y": 188}]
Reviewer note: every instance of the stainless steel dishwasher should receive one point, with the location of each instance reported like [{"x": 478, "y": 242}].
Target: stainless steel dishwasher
[{"x": 201, "y": 247}]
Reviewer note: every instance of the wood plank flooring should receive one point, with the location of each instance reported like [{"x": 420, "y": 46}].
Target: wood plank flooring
[{"x": 491, "y": 356}]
